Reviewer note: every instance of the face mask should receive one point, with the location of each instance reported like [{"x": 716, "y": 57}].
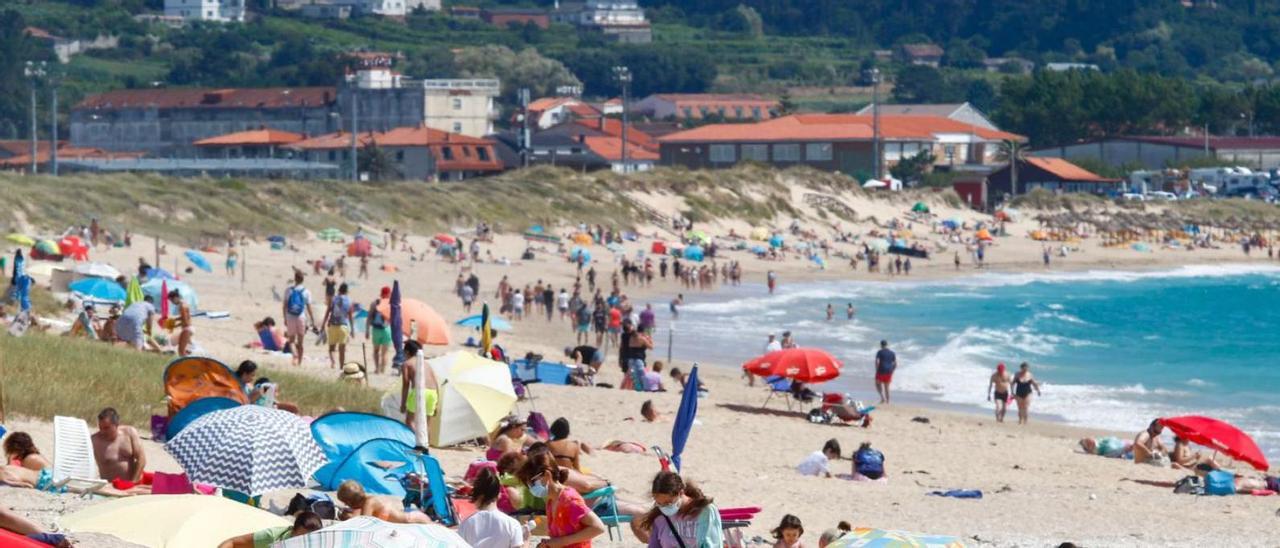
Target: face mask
[
  {"x": 670, "y": 510},
  {"x": 538, "y": 489}
]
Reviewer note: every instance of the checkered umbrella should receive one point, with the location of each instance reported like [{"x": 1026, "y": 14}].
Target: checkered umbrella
[{"x": 249, "y": 448}]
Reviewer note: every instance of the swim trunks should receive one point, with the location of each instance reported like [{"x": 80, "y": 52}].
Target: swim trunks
[{"x": 886, "y": 378}]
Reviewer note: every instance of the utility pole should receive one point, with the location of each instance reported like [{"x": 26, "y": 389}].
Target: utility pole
[
  {"x": 355, "y": 101},
  {"x": 525, "y": 144},
  {"x": 623, "y": 74},
  {"x": 34, "y": 72},
  {"x": 875, "y": 122},
  {"x": 53, "y": 126}
]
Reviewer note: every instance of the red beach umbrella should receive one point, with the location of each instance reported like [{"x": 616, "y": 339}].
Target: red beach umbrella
[
  {"x": 1219, "y": 436},
  {"x": 801, "y": 364}
]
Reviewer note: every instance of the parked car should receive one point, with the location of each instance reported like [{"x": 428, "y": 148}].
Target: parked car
[{"x": 1163, "y": 196}]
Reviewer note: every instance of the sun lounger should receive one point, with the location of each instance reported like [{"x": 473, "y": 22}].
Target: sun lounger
[
  {"x": 781, "y": 387},
  {"x": 74, "y": 468}
]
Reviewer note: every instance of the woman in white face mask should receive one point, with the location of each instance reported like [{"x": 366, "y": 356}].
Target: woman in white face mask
[
  {"x": 570, "y": 522},
  {"x": 682, "y": 517}
]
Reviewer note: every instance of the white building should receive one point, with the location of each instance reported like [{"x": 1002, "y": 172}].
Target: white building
[
  {"x": 621, "y": 20},
  {"x": 206, "y": 10},
  {"x": 463, "y": 106}
]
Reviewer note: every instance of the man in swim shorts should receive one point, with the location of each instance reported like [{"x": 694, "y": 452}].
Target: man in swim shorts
[
  {"x": 999, "y": 384},
  {"x": 886, "y": 364}
]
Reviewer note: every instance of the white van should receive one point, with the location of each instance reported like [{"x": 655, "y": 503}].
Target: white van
[{"x": 1163, "y": 196}]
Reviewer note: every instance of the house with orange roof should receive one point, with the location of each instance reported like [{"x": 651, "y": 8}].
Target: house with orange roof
[
  {"x": 1052, "y": 174},
  {"x": 254, "y": 143},
  {"x": 548, "y": 112},
  {"x": 834, "y": 142},
  {"x": 66, "y": 153},
  {"x": 696, "y": 106},
  {"x": 610, "y": 148},
  {"x": 418, "y": 153}
]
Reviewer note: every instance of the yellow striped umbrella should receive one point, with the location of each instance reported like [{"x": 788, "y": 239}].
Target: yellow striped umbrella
[{"x": 475, "y": 393}]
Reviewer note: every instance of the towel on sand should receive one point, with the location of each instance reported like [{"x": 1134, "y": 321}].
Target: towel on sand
[{"x": 959, "y": 493}]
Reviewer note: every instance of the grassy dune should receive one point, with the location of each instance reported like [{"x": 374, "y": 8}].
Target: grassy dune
[{"x": 45, "y": 375}]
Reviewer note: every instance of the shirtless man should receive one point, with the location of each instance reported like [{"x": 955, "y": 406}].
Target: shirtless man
[
  {"x": 1000, "y": 381},
  {"x": 1186, "y": 459},
  {"x": 388, "y": 509},
  {"x": 118, "y": 449},
  {"x": 1148, "y": 443}
]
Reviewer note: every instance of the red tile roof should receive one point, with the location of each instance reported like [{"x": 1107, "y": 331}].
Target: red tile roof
[
  {"x": 423, "y": 136},
  {"x": 332, "y": 141},
  {"x": 64, "y": 153},
  {"x": 15, "y": 147},
  {"x": 462, "y": 148},
  {"x": 610, "y": 148},
  {"x": 613, "y": 127},
  {"x": 260, "y": 137},
  {"x": 1068, "y": 171},
  {"x": 211, "y": 98},
  {"x": 907, "y": 127},
  {"x": 835, "y": 127}
]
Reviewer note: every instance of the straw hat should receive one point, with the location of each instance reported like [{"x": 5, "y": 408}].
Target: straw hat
[{"x": 352, "y": 372}]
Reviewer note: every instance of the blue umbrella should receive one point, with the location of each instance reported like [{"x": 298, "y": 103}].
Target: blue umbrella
[
  {"x": 397, "y": 324},
  {"x": 154, "y": 273},
  {"x": 694, "y": 253},
  {"x": 276, "y": 238},
  {"x": 775, "y": 241},
  {"x": 476, "y": 321},
  {"x": 99, "y": 290},
  {"x": 197, "y": 259},
  {"x": 579, "y": 251},
  {"x": 684, "y": 417},
  {"x": 155, "y": 286}
]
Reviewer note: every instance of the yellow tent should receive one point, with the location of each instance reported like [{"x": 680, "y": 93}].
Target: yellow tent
[
  {"x": 172, "y": 521},
  {"x": 759, "y": 234}
]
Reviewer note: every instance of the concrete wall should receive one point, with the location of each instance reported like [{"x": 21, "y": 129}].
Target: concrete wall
[
  {"x": 469, "y": 114},
  {"x": 382, "y": 109},
  {"x": 171, "y": 131},
  {"x": 1124, "y": 153},
  {"x": 846, "y": 157}
]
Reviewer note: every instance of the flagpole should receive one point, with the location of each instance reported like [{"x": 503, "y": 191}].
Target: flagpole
[{"x": 420, "y": 395}]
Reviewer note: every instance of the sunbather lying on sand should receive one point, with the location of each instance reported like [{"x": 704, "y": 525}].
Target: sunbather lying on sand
[
  {"x": 24, "y": 465},
  {"x": 1109, "y": 446},
  {"x": 11, "y": 521},
  {"x": 388, "y": 509}
]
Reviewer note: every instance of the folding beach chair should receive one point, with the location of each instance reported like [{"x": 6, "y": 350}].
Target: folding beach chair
[
  {"x": 606, "y": 508},
  {"x": 778, "y": 386},
  {"x": 74, "y": 468}
]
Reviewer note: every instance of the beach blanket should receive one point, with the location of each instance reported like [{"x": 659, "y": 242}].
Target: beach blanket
[{"x": 959, "y": 493}]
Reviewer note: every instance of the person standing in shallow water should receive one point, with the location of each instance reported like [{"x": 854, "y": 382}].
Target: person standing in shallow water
[
  {"x": 1023, "y": 383},
  {"x": 999, "y": 387}
]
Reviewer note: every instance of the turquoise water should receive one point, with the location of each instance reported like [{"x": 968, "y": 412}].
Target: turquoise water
[{"x": 1112, "y": 349}]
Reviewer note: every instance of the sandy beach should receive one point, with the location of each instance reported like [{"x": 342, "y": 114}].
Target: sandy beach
[{"x": 1039, "y": 489}]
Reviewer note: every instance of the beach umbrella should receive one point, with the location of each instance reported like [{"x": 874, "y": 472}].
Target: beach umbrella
[
  {"x": 694, "y": 253},
  {"x": 159, "y": 290},
  {"x": 1219, "y": 436},
  {"x": 684, "y": 417},
  {"x": 478, "y": 320},
  {"x": 698, "y": 237},
  {"x": 375, "y": 533},
  {"x": 579, "y": 251},
  {"x": 197, "y": 259},
  {"x": 419, "y": 321},
  {"x": 154, "y": 273},
  {"x": 20, "y": 239},
  {"x": 251, "y": 449},
  {"x": 98, "y": 270},
  {"x": 171, "y": 521},
  {"x": 74, "y": 247},
  {"x": 920, "y": 207},
  {"x": 759, "y": 234},
  {"x": 775, "y": 241},
  {"x": 984, "y": 235},
  {"x": 47, "y": 247},
  {"x": 397, "y": 323},
  {"x": 865, "y": 537},
  {"x": 475, "y": 393},
  {"x": 361, "y": 247},
  {"x": 99, "y": 290},
  {"x": 581, "y": 238},
  {"x": 133, "y": 293},
  {"x": 329, "y": 235},
  {"x": 445, "y": 238},
  {"x": 486, "y": 330},
  {"x": 801, "y": 364}
]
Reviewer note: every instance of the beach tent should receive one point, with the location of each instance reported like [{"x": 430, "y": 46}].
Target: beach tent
[
  {"x": 195, "y": 410},
  {"x": 166, "y": 521},
  {"x": 190, "y": 378},
  {"x": 419, "y": 321},
  {"x": 693, "y": 253},
  {"x": 984, "y": 235},
  {"x": 759, "y": 234},
  {"x": 377, "y": 451},
  {"x": 475, "y": 393},
  {"x": 659, "y": 247},
  {"x": 775, "y": 241},
  {"x": 361, "y": 247},
  {"x": 579, "y": 252},
  {"x": 920, "y": 207},
  {"x": 155, "y": 288}
]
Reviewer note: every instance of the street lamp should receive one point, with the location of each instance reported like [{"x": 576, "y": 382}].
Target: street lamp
[
  {"x": 873, "y": 74},
  {"x": 34, "y": 71},
  {"x": 623, "y": 75}
]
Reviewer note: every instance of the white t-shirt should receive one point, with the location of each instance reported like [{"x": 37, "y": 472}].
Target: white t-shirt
[
  {"x": 562, "y": 300},
  {"x": 814, "y": 465},
  {"x": 517, "y": 300},
  {"x": 491, "y": 529},
  {"x": 773, "y": 346}
]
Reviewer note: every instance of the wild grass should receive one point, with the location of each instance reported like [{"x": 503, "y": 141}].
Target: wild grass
[{"x": 45, "y": 376}]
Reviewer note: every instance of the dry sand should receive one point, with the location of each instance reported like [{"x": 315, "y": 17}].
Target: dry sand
[{"x": 1040, "y": 490}]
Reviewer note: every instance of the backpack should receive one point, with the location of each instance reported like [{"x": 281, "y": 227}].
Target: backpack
[
  {"x": 1219, "y": 482},
  {"x": 869, "y": 463},
  {"x": 297, "y": 301},
  {"x": 1190, "y": 485},
  {"x": 376, "y": 319}
]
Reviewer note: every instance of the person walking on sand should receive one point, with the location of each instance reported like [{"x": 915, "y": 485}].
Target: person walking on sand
[
  {"x": 338, "y": 319},
  {"x": 379, "y": 329},
  {"x": 183, "y": 322},
  {"x": 886, "y": 363},
  {"x": 296, "y": 301},
  {"x": 999, "y": 385},
  {"x": 1023, "y": 382}
]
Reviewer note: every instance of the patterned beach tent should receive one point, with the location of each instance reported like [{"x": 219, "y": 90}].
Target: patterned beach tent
[{"x": 250, "y": 449}]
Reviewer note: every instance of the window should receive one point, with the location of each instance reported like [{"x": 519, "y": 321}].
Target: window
[
  {"x": 759, "y": 153},
  {"x": 457, "y": 127},
  {"x": 786, "y": 153},
  {"x": 332, "y": 156},
  {"x": 722, "y": 154},
  {"x": 457, "y": 103},
  {"x": 755, "y": 112},
  {"x": 688, "y": 112},
  {"x": 482, "y": 153},
  {"x": 704, "y": 111},
  {"x": 818, "y": 152},
  {"x": 447, "y": 152},
  {"x": 737, "y": 112},
  {"x": 399, "y": 155}
]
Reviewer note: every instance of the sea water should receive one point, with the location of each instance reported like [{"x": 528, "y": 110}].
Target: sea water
[{"x": 1111, "y": 349}]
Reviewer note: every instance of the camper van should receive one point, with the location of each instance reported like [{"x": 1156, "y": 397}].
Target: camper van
[{"x": 1231, "y": 181}]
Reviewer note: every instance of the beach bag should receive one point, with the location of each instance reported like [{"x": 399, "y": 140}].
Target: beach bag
[
  {"x": 321, "y": 505},
  {"x": 159, "y": 426},
  {"x": 816, "y": 416},
  {"x": 376, "y": 319},
  {"x": 869, "y": 463},
  {"x": 297, "y": 302},
  {"x": 1220, "y": 483},
  {"x": 1190, "y": 485}
]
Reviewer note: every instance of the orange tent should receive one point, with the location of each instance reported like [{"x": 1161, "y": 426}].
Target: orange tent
[
  {"x": 191, "y": 378},
  {"x": 430, "y": 326},
  {"x": 984, "y": 235}
]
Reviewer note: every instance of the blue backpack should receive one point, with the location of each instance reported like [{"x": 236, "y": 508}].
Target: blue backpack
[
  {"x": 869, "y": 463},
  {"x": 297, "y": 301},
  {"x": 1220, "y": 483}
]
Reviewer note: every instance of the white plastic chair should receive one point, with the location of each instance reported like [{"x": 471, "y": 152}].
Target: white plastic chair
[{"x": 74, "y": 467}]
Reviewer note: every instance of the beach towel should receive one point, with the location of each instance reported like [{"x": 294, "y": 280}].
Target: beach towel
[{"x": 959, "y": 493}]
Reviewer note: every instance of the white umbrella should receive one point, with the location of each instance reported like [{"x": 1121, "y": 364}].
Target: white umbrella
[
  {"x": 98, "y": 270},
  {"x": 475, "y": 393}
]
